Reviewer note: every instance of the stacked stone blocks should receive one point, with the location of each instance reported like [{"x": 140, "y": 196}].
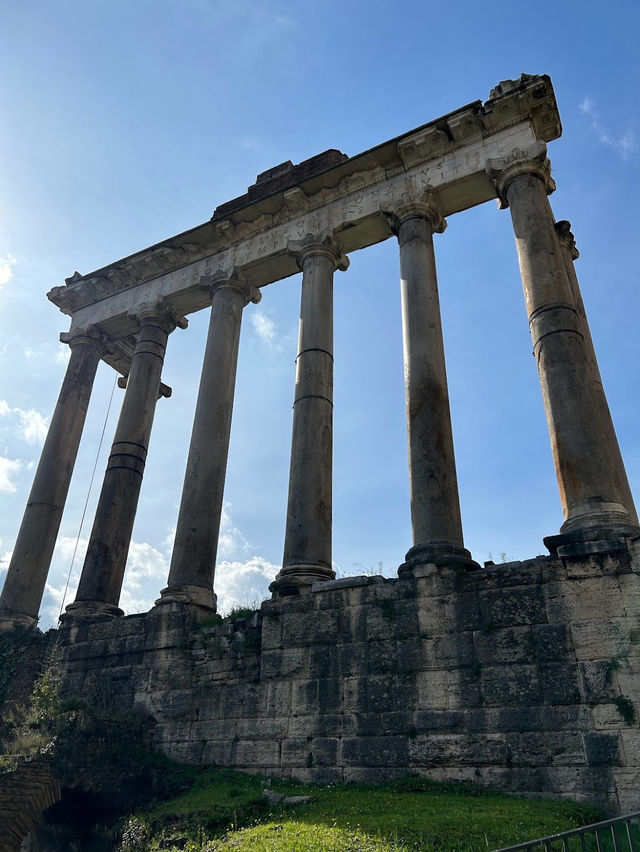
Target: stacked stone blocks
[{"x": 521, "y": 677}]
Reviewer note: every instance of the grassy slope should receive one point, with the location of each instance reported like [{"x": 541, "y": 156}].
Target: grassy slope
[{"x": 225, "y": 811}]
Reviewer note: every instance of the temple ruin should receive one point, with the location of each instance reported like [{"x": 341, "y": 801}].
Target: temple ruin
[{"x": 501, "y": 675}]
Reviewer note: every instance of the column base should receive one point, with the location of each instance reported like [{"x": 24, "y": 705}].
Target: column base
[
  {"x": 16, "y": 621},
  {"x": 90, "y": 611},
  {"x": 296, "y": 580},
  {"x": 199, "y": 597},
  {"x": 594, "y": 527},
  {"x": 440, "y": 553},
  {"x": 591, "y": 541}
]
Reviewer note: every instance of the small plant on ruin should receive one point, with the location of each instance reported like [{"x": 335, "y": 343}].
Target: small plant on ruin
[{"x": 626, "y": 709}]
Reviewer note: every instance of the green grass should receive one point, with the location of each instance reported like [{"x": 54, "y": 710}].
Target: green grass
[{"x": 224, "y": 810}]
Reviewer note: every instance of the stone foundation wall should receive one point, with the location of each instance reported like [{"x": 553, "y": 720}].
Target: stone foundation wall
[{"x": 522, "y": 677}]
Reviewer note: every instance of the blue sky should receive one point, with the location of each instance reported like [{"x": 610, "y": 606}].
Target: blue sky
[{"x": 126, "y": 122}]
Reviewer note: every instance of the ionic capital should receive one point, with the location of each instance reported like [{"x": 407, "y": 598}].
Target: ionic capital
[
  {"x": 503, "y": 170},
  {"x": 89, "y": 336},
  {"x": 422, "y": 206},
  {"x": 233, "y": 279},
  {"x": 566, "y": 238},
  {"x": 323, "y": 245},
  {"x": 159, "y": 313}
]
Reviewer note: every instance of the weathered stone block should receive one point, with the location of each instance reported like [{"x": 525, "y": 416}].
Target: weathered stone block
[
  {"x": 259, "y": 729},
  {"x": 431, "y": 615},
  {"x": 504, "y": 645},
  {"x": 383, "y": 724},
  {"x": 433, "y": 690},
  {"x": 504, "y": 685},
  {"x": 409, "y": 655},
  {"x": 296, "y": 752},
  {"x": 321, "y": 629},
  {"x": 510, "y": 607},
  {"x": 323, "y": 661},
  {"x": 374, "y": 751},
  {"x": 602, "y": 749},
  {"x": 560, "y": 683},
  {"x": 546, "y": 749},
  {"x": 595, "y": 679},
  {"x": 426, "y": 721},
  {"x": 329, "y": 695},
  {"x": 391, "y": 692},
  {"x": 383, "y": 656},
  {"x": 550, "y": 642},
  {"x": 459, "y": 749},
  {"x": 324, "y": 751},
  {"x": 256, "y": 753},
  {"x": 462, "y": 612},
  {"x": 218, "y": 753},
  {"x": 602, "y": 639},
  {"x": 304, "y": 697},
  {"x": 353, "y": 658},
  {"x": 449, "y": 651},
  {"x": 278, "y": 699},
  {"x": 463, "y": 687},
  {"x": 220, "y": 729},
  {"x": 271, "y": 631}
]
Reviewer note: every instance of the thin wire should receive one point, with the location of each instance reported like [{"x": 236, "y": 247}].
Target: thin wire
[{"x": 86, "y": 503}]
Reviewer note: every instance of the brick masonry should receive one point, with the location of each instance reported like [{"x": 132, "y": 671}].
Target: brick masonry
[{"x": 521, "y": 677}]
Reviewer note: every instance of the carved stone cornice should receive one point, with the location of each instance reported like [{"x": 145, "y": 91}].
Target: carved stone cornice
[
  {"x": 423, "y": 206},
  {"x": 533, "y": 161},
  {"x": 89, "y": 336},
  {"x": 231, "y": 278},
  {"x": 341, "y": 195},
  {"x": 160, "y": 312},
  {"x": 566, "y": 238},
  {"x": 323, "y": 245}
]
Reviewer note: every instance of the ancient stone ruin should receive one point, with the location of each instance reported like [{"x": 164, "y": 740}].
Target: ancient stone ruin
[{"x": 522, "y": 676}]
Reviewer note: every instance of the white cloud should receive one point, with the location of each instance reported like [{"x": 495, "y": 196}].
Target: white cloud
[
  {"x": 6, "y": 273},
  {"x": 231, "y": 542},
  {"x": 5, "y": 558},
  {"x": 624, "y": 143},
  {"x": 265, "y": 328},
  {"x": 8, "y": 467},
  {"x": 243, "y": 583},
  {"x": 31, "y": 426}
]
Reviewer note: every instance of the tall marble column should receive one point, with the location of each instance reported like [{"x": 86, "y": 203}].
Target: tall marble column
[
  {"x": 29, "y": 566},
  {"x": 435, "y": 504},
  {"x": 595, "y": 501},
  {"x": 570, "y": 254},
  {"x": 196, "y": 542},
  {"x": 307, "y": 546},
  {"x": 100, "y": 584}
]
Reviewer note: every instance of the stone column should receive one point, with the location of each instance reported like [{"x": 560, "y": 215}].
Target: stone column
[
  {"x": 435, "y": 505},
  {"x": 29, "y": 566},
  {"x": 196, "y": 542},
  {"x": 100, "y": 584},
  {"x": 570, "y": 254},
  {"x": 590, "y": 477},
  {"x": 307, "y": 546}
]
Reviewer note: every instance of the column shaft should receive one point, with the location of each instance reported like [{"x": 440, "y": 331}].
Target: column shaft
[
  {"x": 29, "y": 566},
  {"x": 103, "y": 571},
  {"x": 433, "y": 485},
  {"x": 591, "y": 490},
  {"x": 192, "y": 571},
  {"x": 611, "y": 448},
  {"x": 307, "y": 547}
]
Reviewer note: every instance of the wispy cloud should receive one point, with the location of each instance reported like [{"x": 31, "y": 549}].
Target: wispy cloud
[
  {"x": 624, "y": 143},
  {"x": 8, "y": 467},
  {"x": 265, "y": 328},
  {"x": 28, "y": 424},
  {"x": 6, "y": 272}
]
